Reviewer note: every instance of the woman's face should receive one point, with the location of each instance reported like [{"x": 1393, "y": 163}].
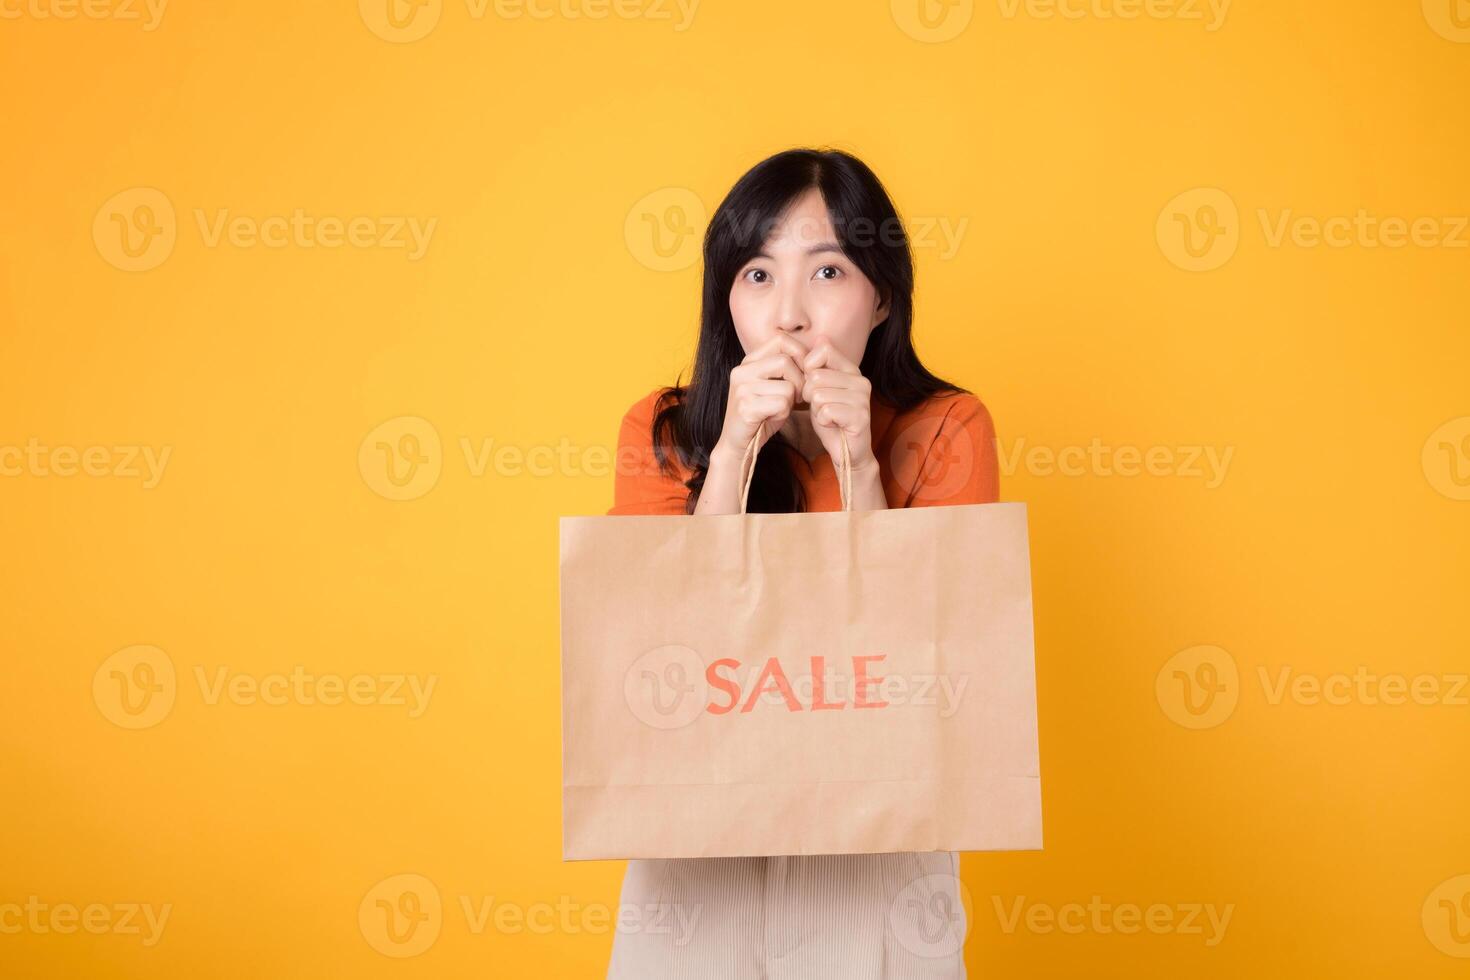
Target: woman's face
[{"x": 802, "y": 284}]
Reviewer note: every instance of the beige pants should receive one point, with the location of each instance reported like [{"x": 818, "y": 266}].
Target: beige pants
[{"x": 841, "y": 916}]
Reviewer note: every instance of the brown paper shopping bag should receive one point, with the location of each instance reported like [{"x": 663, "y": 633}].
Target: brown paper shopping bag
[{"x": 808, "y": 683}]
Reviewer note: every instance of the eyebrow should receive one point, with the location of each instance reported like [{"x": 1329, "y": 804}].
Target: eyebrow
[{"x": 811, "y": 250}]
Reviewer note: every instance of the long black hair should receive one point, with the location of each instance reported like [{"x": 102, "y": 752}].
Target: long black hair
[{"x": 689, "y": 418}]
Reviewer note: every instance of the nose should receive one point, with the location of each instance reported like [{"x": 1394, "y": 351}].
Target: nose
[{"x": 791, "y": 315}]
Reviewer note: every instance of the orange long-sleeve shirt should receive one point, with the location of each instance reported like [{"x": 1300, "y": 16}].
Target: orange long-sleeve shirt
[{"x": 940, "y": 452}]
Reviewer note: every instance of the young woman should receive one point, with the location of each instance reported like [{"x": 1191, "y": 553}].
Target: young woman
[{"x": 805, "y": 341}]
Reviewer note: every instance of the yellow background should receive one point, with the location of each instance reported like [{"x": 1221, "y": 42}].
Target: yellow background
[{"x": 537, "y": 316}]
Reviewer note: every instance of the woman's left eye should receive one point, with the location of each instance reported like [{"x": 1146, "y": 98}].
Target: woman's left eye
[{"x": 829, "y": 268}]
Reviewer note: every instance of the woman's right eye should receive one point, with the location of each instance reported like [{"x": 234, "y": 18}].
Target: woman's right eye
[{"x": 754, "y": 272}]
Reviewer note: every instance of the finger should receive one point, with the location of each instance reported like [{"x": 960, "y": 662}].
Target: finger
[
  {"x": 783, "y": 342},
  {"x": 777, "y": 366},
  {"x": 826, "y": 355},
  {"x": 830, "y": 379},
  {"x": 796, "y": 348},
  {"x": 780, "y": 387},
  {"x": 835, "y": 415},
  {"x": 770, "y": 346},
  {"x": 847, "y": 403},
  {"x": 771, "y": 409},
  {"x": 839, "y": 396}
]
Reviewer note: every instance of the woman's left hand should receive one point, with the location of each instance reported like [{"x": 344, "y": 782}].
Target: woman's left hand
[{"x": 839, "y": 398}]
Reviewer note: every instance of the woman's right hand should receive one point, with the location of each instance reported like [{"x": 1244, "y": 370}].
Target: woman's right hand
[{"x": 764, "y": 388}]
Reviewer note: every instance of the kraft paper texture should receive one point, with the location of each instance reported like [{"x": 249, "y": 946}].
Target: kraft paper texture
[{"x": 927, "y": 609}]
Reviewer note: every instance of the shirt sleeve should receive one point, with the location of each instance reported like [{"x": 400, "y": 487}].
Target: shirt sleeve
[
  {"x": 639, "y": 486},
  {"x": 960, "y": 466}
]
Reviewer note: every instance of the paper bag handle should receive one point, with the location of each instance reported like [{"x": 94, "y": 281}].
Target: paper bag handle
[{"x": 844, "y": 471}]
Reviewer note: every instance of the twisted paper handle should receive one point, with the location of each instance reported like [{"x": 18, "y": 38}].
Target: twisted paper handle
[{"x": 844, "y": 471}]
